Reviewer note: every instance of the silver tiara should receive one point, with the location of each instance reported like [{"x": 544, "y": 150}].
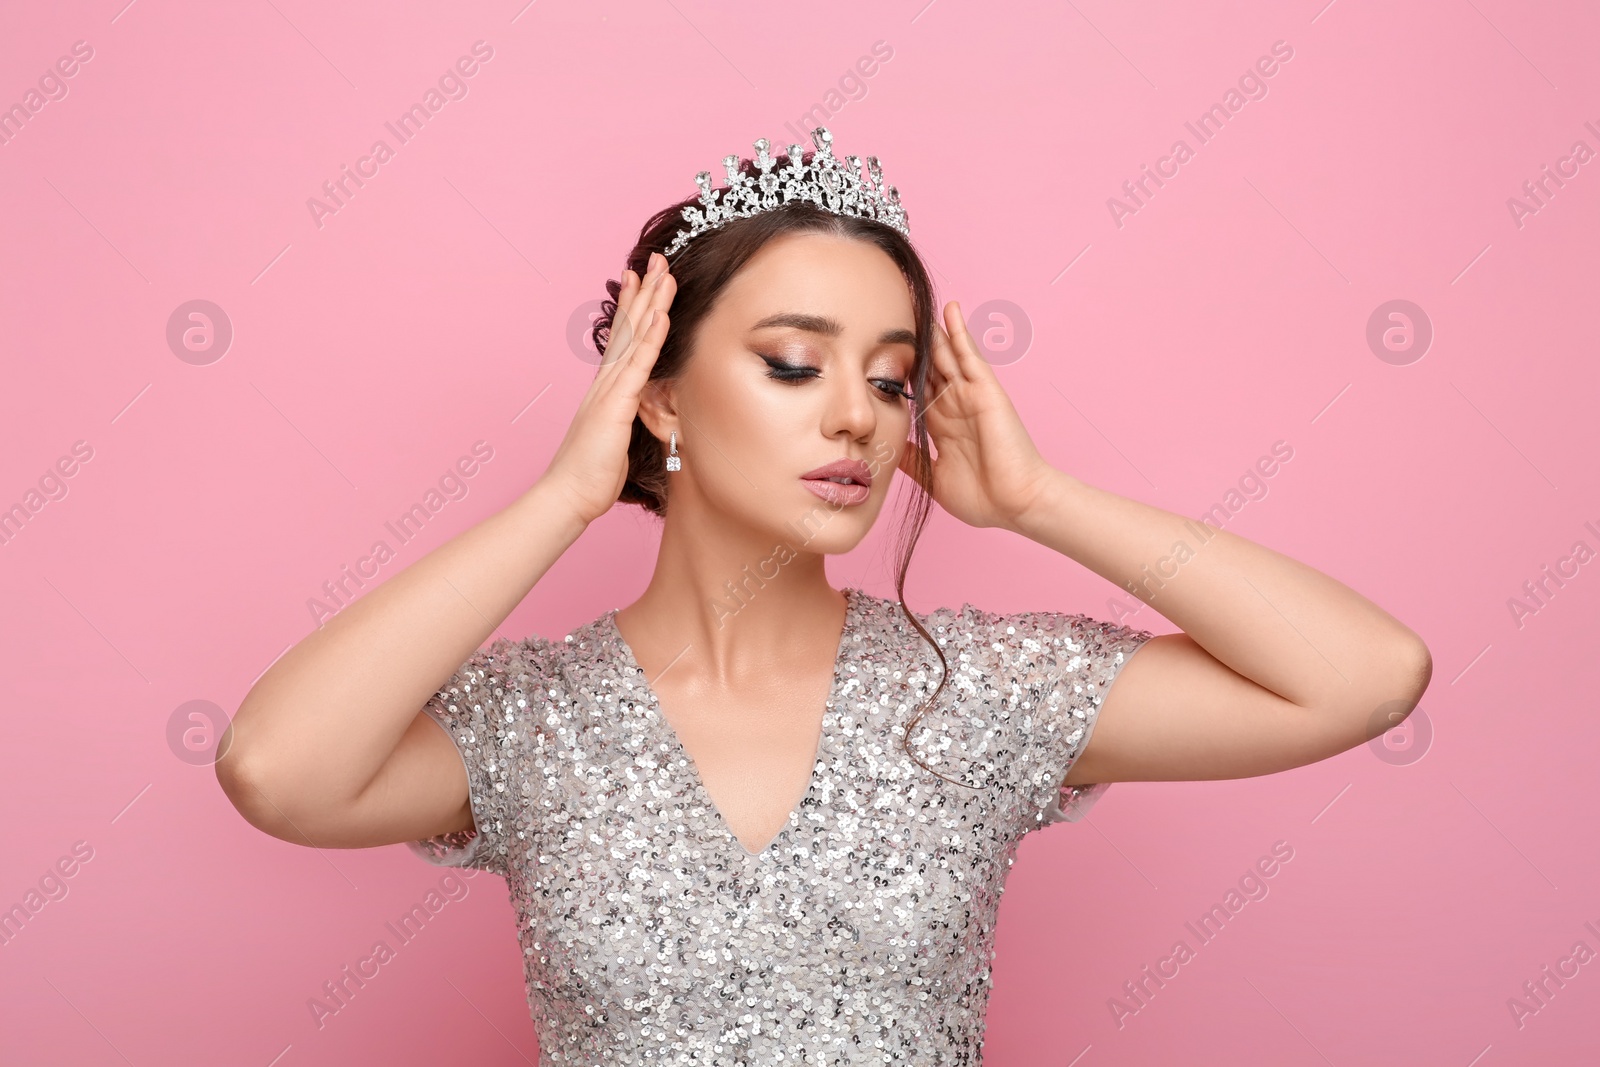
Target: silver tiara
[{"x": 824, "y": 182}]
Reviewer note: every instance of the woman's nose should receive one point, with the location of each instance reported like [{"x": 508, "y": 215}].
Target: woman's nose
[{"x": 850, "y": 409}]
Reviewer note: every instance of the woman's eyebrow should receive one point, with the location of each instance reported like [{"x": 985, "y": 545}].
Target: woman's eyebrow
[{"x": 829, "y": 327}]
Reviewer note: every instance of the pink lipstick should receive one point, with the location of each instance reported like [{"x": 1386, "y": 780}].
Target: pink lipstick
[{"x": 842, "y": 482}]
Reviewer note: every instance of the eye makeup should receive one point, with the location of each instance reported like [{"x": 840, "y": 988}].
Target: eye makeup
[{"x": 795, "y": 373}]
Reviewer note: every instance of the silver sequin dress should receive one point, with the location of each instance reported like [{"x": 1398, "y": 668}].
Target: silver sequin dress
[{"x": 863, "y": 933}]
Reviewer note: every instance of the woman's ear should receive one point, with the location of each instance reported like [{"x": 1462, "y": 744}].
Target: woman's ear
[{"x": 656, "y": 409}]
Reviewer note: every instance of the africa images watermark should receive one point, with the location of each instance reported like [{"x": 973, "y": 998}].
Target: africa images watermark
[
  {"x": 49, "y": 887},
  {"x": 1538, "y": 192},
  {"x": 338, "y": 992},
  {"x": 50, "y": 487},
  {"x": 1251, "y": 85},
  {"x": 1250, "y": 887},
  {"x": 1537, "y": 993},
  {"x": 452, "y": 486},
  {"x": 1538, "y": 592},
  {"x": 452, "y": 85},
  {"x": 52, "y": 86},
  {"x": 1250, "y": 486},
  {"x": 852, "y": 85}
]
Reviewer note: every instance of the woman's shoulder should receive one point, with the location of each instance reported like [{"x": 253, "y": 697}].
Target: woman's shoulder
[
  {"x": 950, "y": 621},
  {"x": 1009, "y": 638},
  {"x": 971, "y": 639},
  {"x": 584, "y": 643},
  {"x": 538, "y": 667}
]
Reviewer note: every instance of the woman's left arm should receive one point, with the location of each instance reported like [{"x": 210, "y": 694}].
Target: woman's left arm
[{"x": 1278, "y": 665}]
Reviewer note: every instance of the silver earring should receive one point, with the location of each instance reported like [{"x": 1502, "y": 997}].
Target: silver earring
[{"x": 673, "y": 462}]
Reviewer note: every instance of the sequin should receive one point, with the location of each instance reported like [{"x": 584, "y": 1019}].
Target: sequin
[{"x": 863, "y": 933}]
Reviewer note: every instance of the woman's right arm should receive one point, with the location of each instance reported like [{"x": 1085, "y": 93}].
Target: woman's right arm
[{"x": 331, "y": 748}]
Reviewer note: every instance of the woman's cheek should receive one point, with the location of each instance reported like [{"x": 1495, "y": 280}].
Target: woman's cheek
[{"x": 882, "y": 463}]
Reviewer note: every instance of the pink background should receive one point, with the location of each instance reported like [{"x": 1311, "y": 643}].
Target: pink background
[{"x": 1227, "y": 313}]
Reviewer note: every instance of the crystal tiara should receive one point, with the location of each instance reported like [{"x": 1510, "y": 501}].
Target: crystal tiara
[{"x": 824, "y": 182}]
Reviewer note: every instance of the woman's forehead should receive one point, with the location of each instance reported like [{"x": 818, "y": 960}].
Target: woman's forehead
[{"x": 822, "y": 278}]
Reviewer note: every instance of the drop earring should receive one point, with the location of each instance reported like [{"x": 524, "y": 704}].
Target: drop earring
[{"x": 673, "y": 462}]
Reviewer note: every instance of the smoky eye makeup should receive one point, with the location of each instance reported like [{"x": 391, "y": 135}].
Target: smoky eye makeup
[
  {"x": 788, "y": 362},
  {"x": 779, "y": 369},
  {"x": 787, "y": 368}
]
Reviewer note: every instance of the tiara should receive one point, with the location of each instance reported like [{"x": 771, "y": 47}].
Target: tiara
[{"x": 824, "y": 182}]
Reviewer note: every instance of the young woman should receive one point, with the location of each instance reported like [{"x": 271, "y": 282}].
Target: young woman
[{"x": 751, "y": 818}]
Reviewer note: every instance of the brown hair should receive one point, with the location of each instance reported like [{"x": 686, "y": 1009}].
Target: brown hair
[{"x": 702, "y": 268}]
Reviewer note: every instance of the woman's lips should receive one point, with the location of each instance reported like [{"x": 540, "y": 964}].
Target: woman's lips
[
  {"x": 854, "y": 469},
  {"x": 837, "y": 493},
  {"x": 853, "y": 488}
]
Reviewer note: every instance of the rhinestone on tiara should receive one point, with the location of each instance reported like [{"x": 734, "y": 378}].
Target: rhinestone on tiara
[{"x": 824, "y": 182}]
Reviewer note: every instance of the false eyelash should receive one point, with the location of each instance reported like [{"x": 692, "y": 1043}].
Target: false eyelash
[{"x": 778, "y": 370}]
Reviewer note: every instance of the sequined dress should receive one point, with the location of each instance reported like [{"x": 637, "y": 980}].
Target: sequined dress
[{"x": 863, "y": 933}]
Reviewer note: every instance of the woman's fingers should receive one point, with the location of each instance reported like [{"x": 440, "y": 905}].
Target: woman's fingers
[
  {"x": 648, "y": 284},
  {"x": 628, "y": 322},
  {"x": 957, "y": 360},
  {"x": 938, "y": 380},
  {"x": 969, "y": 359},
  {"x": 625, "y": 320},
  {"x": 634, "y": 364},
  {"x": 620, "y": 335},
  {"x": 656, "y": 299},
  {"x": 632, "y": 368},
  {"x": 944, "y": 358},
  {"x": 653, "y": 333}
]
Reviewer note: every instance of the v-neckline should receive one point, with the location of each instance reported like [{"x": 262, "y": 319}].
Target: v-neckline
[{"x": 665, "y": 729}]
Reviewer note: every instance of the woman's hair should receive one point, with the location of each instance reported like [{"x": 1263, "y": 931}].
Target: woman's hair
[{"x": 702, "y": 268}]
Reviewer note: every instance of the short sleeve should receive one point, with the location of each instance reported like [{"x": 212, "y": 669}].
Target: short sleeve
[
  {"x": 487, "y": 709},
  {"x": 1073, "y": 659}
]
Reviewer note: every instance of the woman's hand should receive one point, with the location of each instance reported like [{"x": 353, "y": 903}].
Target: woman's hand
[
  {"x": 591, "y": 464},
  {"x": 987, "y": 471}
]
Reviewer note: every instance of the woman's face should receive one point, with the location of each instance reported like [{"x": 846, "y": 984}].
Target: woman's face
[{"x": 834, "y": 316}]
